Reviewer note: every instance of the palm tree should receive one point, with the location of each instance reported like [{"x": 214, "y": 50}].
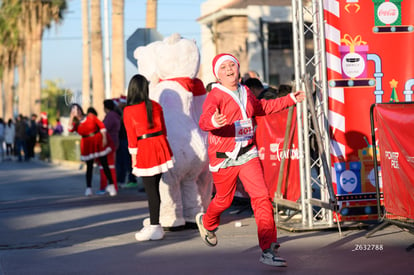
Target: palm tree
[
  {"x": 23, "y": 61},
  {"x": 97, "y": 58},
  {"x": 42, "y": 14},
  {"x": 8, "y": 52},
  {"x": 118, "y": 48},
  {"x": 86, "y": 74},
  {"x": 35, "y": 55},
  {"x": 22, "y": 47},
  {"x": 8, "y": 81},
  {"x": 33, "y": 17}
]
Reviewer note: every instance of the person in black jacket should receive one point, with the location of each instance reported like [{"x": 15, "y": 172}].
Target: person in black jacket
[{"x": 32, "y": 132}]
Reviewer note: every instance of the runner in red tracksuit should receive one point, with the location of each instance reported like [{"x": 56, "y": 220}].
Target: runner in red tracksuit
[{"x": 228, "y": 116}]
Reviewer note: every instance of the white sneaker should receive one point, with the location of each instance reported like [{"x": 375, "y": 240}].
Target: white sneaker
[
  {"x": 151, "y": 232},
  {"x": 146, "y": 222},
  {"x": 271, "y": 257},
  {"x": 172, "y": 228},
  {"x": 111, "y": 190},
  {"x": 88, "y": 192},
  {"x": 208, "y": 237}
]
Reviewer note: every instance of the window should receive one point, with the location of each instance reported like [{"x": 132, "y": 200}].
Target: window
[
  {"x": 274, "y": 79},
  {"x": 280, "y": 36}
]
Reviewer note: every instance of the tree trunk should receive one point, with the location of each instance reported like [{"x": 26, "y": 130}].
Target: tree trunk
[
  {"x": 22, "y": 80},
  {"x": 118, "y": 49},
  {"x": 1, "y": 94},
  {"x": 8, "y": 84},
  {"x": 37, "y": 68},
  {"x": 151, "y": 21},
  {"x": 86, "y": 73},
  {"x": 97, "y": 58},
  {"x": 1, "y": 101},
  {"x": 31, "y": 69},
  {"x": 26, "y": 83}
]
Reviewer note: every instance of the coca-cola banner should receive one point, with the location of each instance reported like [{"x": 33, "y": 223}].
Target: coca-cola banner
[
  {"x": 395, "y": 135},
  {"x": 370, "y": 59},
  {"x": 270, "y": 135}
]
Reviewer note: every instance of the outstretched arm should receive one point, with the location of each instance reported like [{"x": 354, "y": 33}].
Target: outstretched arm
[{"x": 299, "y": 96}]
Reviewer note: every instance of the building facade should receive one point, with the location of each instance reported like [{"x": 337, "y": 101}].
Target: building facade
[{"x": 258, "y": 33}]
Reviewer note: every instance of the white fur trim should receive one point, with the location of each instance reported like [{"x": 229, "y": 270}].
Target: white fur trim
[
  {"x": 292, "y": 95},
  {"x": 216, "y": 167},
  {"x": 221, "y": 60},
  {"x": 96, "y": 155},
  {"x": 214, "y": 122},
  {"x": 145, "y": 172},
  {"x": 133, "y": 151}
]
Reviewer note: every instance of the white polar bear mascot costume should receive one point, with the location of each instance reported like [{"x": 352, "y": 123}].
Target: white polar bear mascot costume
[{"x": 186, "y": 189}]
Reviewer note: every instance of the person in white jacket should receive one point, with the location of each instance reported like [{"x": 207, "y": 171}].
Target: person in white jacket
[{"x": 10, "y": 133}]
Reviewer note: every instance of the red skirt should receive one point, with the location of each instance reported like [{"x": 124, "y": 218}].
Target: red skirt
[
  {"x": 92, "y": 147},
  {"x": 154, "y": 156}
]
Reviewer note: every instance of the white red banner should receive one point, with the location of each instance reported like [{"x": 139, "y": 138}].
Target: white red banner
[{"x": 395, "y": 135}]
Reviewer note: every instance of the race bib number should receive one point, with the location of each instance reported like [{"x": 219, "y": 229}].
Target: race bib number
[{"x": 244, "y": 130}]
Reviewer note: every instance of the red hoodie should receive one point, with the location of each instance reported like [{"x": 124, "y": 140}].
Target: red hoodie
[{"x": 224, "y": 139}]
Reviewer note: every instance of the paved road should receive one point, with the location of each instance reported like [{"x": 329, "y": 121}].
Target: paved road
[{"x": 47, "y": 226}]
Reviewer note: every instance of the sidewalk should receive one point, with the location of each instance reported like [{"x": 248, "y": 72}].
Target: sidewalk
[{"x": 47, "y": 226}]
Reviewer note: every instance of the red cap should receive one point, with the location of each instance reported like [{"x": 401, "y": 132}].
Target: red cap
[
  {"x": 220, "y": 58},
  {"x": 123, "y": 99}
]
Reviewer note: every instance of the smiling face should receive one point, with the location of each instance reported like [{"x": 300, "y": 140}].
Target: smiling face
[{"x": 228, "y": 74}]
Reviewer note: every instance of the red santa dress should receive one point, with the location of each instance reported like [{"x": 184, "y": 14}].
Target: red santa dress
[
  {"x": 91, "y": 129},
  {"x": 151, "y": 147}
]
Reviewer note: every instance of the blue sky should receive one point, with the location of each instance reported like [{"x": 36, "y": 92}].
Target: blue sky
[{"x": 62, "y": 44}]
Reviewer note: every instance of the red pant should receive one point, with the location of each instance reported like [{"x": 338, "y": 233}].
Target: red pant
[
  {"x": 111, "y": 163},
  {"x": 252, "y": 178}
]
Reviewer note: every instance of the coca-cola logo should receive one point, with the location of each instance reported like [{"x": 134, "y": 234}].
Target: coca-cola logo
[
  {"x": 262, "y": 153},
  {"x": 387, "y": 13},
  {"x": 278, "y": 153}
]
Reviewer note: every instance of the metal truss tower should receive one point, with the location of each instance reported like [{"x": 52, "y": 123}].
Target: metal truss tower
[{"x": 317, "y": 200}]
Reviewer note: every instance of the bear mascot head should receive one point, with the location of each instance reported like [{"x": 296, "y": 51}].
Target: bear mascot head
[
  {"x": 171, "y": 66},
  {"x": 146, "y": 62}
]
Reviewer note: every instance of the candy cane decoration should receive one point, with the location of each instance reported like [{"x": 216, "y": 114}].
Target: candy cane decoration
[{"x": 336, "y": 115}]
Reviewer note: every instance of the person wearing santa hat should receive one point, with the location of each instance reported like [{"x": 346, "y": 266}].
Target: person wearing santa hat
[
  {"x": 43, "y": 129},
  {"x": 123, "y": 99},
  {"x": 228, "y": 116}
]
